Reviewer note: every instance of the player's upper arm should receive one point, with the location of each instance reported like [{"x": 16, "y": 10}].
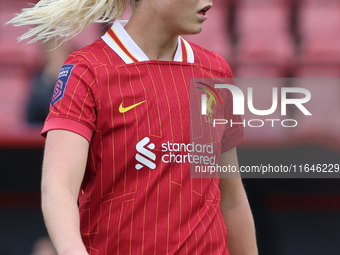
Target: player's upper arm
[
  {"x": 65, "y": 160},
  {"x": 232, "y": 191}
]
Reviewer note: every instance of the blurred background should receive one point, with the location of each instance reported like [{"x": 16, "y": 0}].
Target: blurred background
[{"x": 259, "y": 39}]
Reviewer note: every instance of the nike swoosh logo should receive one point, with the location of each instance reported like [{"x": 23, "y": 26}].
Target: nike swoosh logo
[{"x": 125, "y": 109}]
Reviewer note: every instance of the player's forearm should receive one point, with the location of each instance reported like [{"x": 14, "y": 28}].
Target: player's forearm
[
  {"x": 61, "y": 216},
  {"x": 241, "y": 230}
]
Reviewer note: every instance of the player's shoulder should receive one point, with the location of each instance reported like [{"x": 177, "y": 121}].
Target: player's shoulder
[
  {"x": 95, "y": 54},
  {"x": 209, "y": 59}
]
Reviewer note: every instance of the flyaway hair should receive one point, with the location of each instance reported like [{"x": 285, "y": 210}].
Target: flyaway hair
[{"x": 66, "y": 18}]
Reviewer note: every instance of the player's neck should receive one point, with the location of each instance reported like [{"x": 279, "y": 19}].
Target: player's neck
[{"x": 152, "y": 37}]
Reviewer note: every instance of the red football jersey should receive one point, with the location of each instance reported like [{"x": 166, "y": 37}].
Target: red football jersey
[{"x": 135, "y": 198}]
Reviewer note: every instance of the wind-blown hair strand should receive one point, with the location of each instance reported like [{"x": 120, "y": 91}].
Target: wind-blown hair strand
[{"x": 66, "y": 18}]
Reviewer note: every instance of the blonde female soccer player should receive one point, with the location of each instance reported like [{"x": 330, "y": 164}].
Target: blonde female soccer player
[{"x": 120, "y": 106}]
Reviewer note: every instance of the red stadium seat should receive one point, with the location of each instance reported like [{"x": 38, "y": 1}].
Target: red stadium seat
[
  {"x": 320, "y": 51},
  {"x": 317, "y": 71},
  {"x": 319, "y": 21},
  {"x": 254, "y": 20},
  {"x": 319, "y": 2},
  {"x": 257, "y": 70},
  {"x": 319, "y": 29},
  {"x": 274, "y": 50},
  {"x": 264, "y": 2},
  {"x": 14, "y": 93},
  {"x": 16, "y": 5},
  {"x": 27, "y": 58},
  {"x": 14, "y": 54},
  {"x": 264, "y": 42},
  {"x": 324, "y": 124}
]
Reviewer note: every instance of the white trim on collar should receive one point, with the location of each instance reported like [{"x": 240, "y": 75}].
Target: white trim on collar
[
  {"x": 120, "y": 41},
  {"x": 179, "y": 54}
]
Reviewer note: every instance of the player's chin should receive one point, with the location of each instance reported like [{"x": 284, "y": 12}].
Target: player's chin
[{"x": 194, "y": 29}]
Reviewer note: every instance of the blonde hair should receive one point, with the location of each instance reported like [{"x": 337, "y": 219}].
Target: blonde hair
[{"x": 66, "y": 18}]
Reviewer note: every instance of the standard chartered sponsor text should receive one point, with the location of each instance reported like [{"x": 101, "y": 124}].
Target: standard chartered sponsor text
[{"x": 191, "y": 151}]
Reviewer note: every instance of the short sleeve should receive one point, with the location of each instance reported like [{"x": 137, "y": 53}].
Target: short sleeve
[
  {"x": 234, "y": 131},
  {"x": 73, "y": 104}
]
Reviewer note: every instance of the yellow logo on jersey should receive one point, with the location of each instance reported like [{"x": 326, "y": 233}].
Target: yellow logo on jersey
[{"x": 125, "y": 109}]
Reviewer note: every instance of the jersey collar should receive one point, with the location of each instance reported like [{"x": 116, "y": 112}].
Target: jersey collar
[{"x": 119, "y": 41}]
